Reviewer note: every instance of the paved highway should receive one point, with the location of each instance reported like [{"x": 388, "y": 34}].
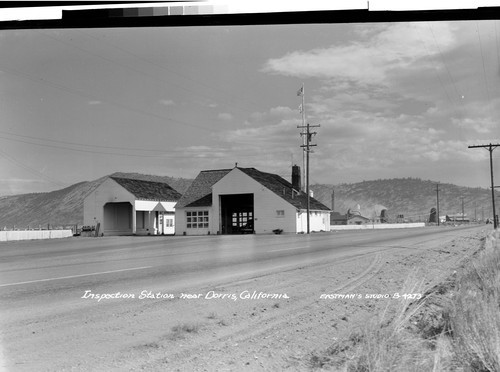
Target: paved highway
[
  {"x": 46, "y": 281},
  {"x": 32, "y": 268}
]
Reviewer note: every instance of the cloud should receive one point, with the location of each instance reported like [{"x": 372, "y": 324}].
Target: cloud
[
  {"x": 273, "y": 115},
  {"x": 225, "y": 116},
  {"x": 370, "y": 58},
  {"x": 94, "y": 102},
  {"x": 167, "y": 102},
  {"x": 397, "y": 95}
]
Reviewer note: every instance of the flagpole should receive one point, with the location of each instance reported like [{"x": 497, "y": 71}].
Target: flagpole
[{"x": 304, "y": 139}]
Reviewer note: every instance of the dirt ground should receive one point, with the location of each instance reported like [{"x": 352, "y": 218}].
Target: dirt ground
[{"x": 268, "y": 323}]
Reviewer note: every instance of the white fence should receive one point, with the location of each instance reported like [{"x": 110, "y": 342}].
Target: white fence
[
  {"x": 377, "y": 226},
  {"x": 6, "y": 236}
]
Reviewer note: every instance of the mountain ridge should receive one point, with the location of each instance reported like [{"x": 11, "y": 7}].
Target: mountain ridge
[{"x": 411, "y": 197}]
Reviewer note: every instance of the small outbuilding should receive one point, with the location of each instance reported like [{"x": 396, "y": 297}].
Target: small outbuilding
[
  {"x": 124, "y": 206},
  {"x": 246, "y": 200},
  {"x": 338, "y": 219}
]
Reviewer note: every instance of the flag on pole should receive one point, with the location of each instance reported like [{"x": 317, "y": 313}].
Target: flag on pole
[{"x": 300, "y": 92}]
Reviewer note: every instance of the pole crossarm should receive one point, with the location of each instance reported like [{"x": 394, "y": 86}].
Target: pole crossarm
[
  {"x": 490, "y": 146},
  {"x": 307, "y": 150}
]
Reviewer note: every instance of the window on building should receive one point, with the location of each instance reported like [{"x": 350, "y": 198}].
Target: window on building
[
  {"x": 280, "y": 213},
  {"x": 197, "y": 220},
  {"x": 242, "y": 220},
  {"x": 169, "y": 222}
]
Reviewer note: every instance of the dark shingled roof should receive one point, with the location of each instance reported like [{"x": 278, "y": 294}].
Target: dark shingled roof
[
  {"x": 284, "y": 189},
  {"x": 148, "y": 190},
  {"x": 200, "y": 192}
]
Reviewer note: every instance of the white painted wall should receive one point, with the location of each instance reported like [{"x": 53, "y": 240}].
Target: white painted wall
[
  {"x": 266, "y": 203},
  {"x": 377, "y": 226},
  {"x": 6, "y": 236},
  {"x": 318, "y": 221},
  {"x": 111, "y": 192},
  {"x": 108, "y": 192},
  {"x": 149, "y": 205},
  {"x": 152, "y": 224},
  {"x": 181, "y": 222}
]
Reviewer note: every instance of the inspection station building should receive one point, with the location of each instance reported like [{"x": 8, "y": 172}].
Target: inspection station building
[
  {"x": 246, "y": 200},
  {"x": 124, "y": 206}
]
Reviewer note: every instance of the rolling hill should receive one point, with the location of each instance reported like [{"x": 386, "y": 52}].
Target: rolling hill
[
  {"x": 65, "y": 206},
  {"x": 411, "y": 197}
]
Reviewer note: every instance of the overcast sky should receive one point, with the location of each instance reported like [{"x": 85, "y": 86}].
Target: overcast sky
[{"x": 393, "y": 100}]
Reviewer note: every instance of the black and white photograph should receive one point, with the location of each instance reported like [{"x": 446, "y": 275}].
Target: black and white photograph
[{"x": 250, "y": 186}]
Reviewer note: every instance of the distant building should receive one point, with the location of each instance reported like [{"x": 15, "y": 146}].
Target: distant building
[
  {"x": 246, "y": 200},
  {"x": 457, "y": 218},
  {"x": 123, "y": 206},
  {"x": 357, "y": 220},
  {"x": 338, "y": 219},
  {"x": 354, "y": 217}
]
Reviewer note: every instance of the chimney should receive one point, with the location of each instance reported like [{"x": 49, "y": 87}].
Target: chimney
[{"x": 296, "y": 177}]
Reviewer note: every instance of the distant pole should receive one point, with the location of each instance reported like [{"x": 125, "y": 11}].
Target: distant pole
[
  {"x": 463, "y": 216},
  {"x": 490, "y": 148},
  {"x": 307, "y": 148},
  {"x": 437, "y": 199},
  {"x": 495, "y": 217}
]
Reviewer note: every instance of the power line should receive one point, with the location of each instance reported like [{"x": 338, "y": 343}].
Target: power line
[
  {"x": 484, "y": 67},
  {"x": 93, "y": 97},
  {"x": 77, "y": 144},
  {"x": 183, "y": 153},
  {"x": 444, "y": 62},
  {"x": 209, "y": 86},
  {"x": 496, "y": 44},
  {"x": 30, "y": 169},
  {"x": 81, "y": 150},
  {"x": 490, "y": 147}
]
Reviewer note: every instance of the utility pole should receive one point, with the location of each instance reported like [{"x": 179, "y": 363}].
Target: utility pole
[
  {"x": 490, "y": 148},
  {"x": 307, "y": 149},
  {"x": 495, "y": 217},
  {"x": 437, "y": 197},
  {"x": 463, "y": 217}
]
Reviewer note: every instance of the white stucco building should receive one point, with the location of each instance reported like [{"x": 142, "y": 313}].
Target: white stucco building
[
  {"x": 124, "y": 206},
  {"x": 246, "y": 200}
]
